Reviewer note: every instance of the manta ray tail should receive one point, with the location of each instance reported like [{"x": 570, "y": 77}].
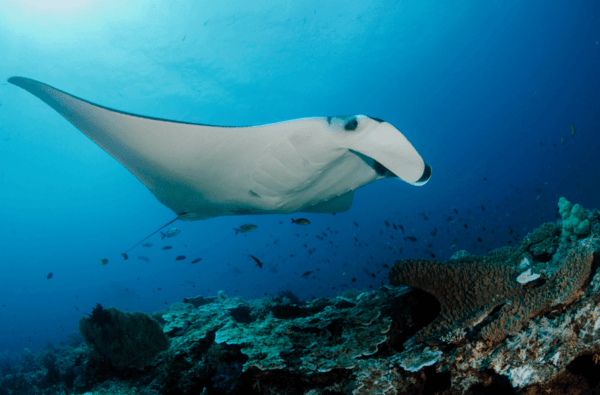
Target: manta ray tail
[{"x": 153, "y": 233}]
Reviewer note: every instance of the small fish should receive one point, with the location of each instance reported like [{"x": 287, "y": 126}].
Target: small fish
[
  {"x": 259, "y": 263},
  {"x": 49, "y": 276},
  {"x": 401, "y": 228},
  {"x": 172, "y": 233},
  {"x": 353, "y": 280},
  {"x": 485, "y": 179},
  {"x": 387, "y": 224},
  {"x": 180, "y": 258},
  {"x": 411, "y": 238},
  {"x": 143, "y": 258},
  {"x": 386, "y": 266},
  {"x": 355, "y": 223},
  {"x": 455, "y": 210},
  {"x": 300, "y": 221},
  {"x": 572, "y": 130},
  {"x": 196, "y": 260},
  {"x": 245, "y": 228},
  {"x": 104, "y": 261},
  {"x": 125, "y": 256},
  {"x": 147, "y": 245},
  {"x": 166, "y": 248},
  {"x": 306, "y": 274}
]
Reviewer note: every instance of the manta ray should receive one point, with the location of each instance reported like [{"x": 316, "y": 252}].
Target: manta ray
[{"x": 203, "y": 171}]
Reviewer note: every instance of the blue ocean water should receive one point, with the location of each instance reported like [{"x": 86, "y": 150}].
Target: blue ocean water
[{"x": 485, "y": 91}]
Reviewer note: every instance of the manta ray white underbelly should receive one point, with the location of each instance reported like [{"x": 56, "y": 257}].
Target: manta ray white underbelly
[{"x": 203, "y": 171}]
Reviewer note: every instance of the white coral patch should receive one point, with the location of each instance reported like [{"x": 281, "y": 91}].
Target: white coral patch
[
  {"x": 527, "y": 276},
  {"x": 524, "y": 263},
  {"x": 597, "y": 324},
  {"x": 555, "y": 359},
  {"x": 520, "y": 376}
]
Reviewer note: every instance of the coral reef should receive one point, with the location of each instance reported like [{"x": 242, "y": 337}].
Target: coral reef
[
  {"x": 523, "y": 319},
  {"x": 468, "y": 288}
]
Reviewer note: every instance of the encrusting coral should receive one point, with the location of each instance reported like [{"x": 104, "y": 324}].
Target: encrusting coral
[{"x": 468, "y": 288}]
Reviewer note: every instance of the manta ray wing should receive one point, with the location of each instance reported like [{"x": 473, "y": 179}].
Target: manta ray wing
[{"x": 202, "y": 171}]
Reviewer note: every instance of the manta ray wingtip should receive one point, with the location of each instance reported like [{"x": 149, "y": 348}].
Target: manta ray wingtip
[{"x": 17, "y": 80}]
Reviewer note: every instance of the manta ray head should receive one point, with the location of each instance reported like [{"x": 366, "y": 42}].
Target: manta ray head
[{"x": 381, "y": 146}]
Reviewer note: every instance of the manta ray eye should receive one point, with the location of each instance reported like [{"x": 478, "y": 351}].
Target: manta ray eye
[
  {"x": 351, "y": 124},
  {"x": 348, "y": 122}
]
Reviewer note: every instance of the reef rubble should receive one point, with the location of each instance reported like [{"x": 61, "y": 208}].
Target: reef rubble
[{"x": 517, "y": 320}]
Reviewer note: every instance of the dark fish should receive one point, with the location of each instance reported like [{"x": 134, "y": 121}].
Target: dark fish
[
  {"x": 143, "y": 258},
  {"x": 466, "y": 226},
  {"x": 245, "y": 228},
  {"x": 434, "y": 232},
  {"x": 411, "y": 238},
  {"x": 387, "y": 224},
  {"x": 455, "y": 210},
  {"x": 125, "y": 257},
  {"x": 196, "y": 260},
  {"x": 432, "y": 254},
  {"x": 180, "y": 258},
  {"x": 395, "y": 227},
  {"x": 485, "y": 179},
  {"x": 306, "y": 274},
  {"x": 479, "y": 239},
  {"x": 147, "y": 245},
  {"x": 353, "y": 280},
  {"x": 49, "y": 276},
  {"x": 104, "y": 261},
  {"x": 259, "y": 263},
  {"x": 482, "y": 208},
  {"x": 166, "y": 248},
  {"x": 300, "y": 221},
  {"x": 355, "y": 223},
  {"x": 386, "y": 266}
]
